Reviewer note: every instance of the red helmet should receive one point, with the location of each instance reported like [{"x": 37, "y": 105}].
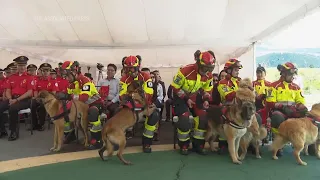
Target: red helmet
[
  {"x": 207, "y": 59},
  {"x": 288, "y": 67},
  {"x": 68, "y": 66},
  {"x": 131, "y": 61},
  {"x": 232, "y": 63}
]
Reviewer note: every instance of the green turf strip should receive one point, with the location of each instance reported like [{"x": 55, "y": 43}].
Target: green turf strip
[{"x": 170, "y": 165}]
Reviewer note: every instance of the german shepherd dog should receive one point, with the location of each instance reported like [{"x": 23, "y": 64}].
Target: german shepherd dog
[
  {"x": 113, "y": 132},
  {"x": 301, "y": 132},
  {"x": 53, "y": 107},
  {"x": 232, "y": 123}
]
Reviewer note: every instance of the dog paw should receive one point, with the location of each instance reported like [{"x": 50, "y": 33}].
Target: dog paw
[
  {"x": 303, "y": 163},
  {"x": 241, "y": 158},
  {"x": 306, "y": 154},
  {"x": 214, "y": 149},
  {"x": 237, "y": 162},
  {"x": 57, "y": 150},
  {"x": 128, "y": 163},
  {"x": 275, "y": 157},
  {"x": 52, "y": 149},
  {"x": 258, "y": 157}
]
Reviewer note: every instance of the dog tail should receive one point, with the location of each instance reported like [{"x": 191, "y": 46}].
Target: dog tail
[{"x": 263, "y": 133}]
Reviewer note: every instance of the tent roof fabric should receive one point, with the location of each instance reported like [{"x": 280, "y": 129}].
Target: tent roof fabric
[{"x": 163, "y": 32}]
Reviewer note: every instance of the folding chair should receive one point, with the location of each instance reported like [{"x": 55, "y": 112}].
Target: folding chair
[{"x": 28, "y": 118}]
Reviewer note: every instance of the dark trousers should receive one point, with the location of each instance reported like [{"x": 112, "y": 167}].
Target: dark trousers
[
  {"x": 112, "y": 108},
  {"x": 13, "y": 112},
  {"x": 38, "y": 114},
  {"x": 168, "y": 103}
]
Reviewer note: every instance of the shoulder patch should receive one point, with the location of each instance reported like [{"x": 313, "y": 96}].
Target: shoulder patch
[
  {"x": 177, "y": 79},
  {"x": 211, "y": 83},
  {"x": 86, "y": 88},
  {"x": 150, "y": 84},
  {"x": 301, "y": 94}
]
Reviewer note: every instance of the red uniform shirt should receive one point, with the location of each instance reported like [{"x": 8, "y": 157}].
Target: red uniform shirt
[
  {"x": 20, "y": 84},
  {"x": 46, "y": 83},
  {"x": 63, "y": 85}
]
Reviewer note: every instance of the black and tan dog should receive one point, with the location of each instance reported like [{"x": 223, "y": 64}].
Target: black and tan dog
[
  {"x": 231, "y": 122},
  {"x": 113, "y": 132},
  {"x": 301, "y": 132},
  {"x": 53, "y": 107}
]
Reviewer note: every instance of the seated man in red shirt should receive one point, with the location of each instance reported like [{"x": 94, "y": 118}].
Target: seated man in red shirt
[{"x": 19, "y": 92}]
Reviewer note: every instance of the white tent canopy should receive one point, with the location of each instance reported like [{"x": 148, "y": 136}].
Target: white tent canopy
[{"x": 163, "y": 32}]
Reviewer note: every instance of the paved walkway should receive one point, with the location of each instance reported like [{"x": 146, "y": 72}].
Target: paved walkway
[{"x": 162, "y": 165}]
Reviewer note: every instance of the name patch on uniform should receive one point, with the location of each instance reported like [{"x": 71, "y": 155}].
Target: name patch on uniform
[
  {"x": 86, "y": 88},
  {"x": 177, "y": 80},
  {"x": 225, "y": 89},
  {"x": 150, "y": 84}
]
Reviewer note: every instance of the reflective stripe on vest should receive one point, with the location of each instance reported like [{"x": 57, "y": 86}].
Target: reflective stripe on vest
[
  {"x": 183, "y": 136},
  {"x": 286, "y": 103},
  {"x": 147, "y": 133},
  {"x": 67, "y": 127},
  {"x": 96, "y": 128},
  {"x": 198, "y": 134}
]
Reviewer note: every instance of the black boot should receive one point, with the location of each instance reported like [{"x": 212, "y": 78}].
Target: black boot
[
  {"x": 223, "y": 146},
  {"x": 3, "y": 134},
  {"x": 146, "y": 144},
  {"x": 95, "y": 142},
  {"x": 13, "y": 136},
  {"x": 69, "y": 137},
  {"x": 198, "y": 146},
  {"x": 184, "y": 147}
]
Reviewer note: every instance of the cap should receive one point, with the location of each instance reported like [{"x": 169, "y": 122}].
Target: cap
[
  {"x": 32, "y": 66},
  {"x": 53, "y": 71},
  {"x": 45, "y": 66},
  {"x": 12, "y": 65},
  {"x": 21, "y": 60}
]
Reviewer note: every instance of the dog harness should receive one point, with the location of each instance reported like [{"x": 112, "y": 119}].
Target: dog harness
[
  {"x": 62, "y": 113},
  {"x": 226, "y": 120},
  {"x": 315, "y": 120}
]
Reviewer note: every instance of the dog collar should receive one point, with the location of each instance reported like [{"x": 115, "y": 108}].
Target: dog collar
[
  {"x": 315, "y": 120},
  {"x": 228, "y": 121}
]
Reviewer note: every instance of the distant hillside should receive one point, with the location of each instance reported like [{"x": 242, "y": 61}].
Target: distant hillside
[{"x": 301, "y": 60}]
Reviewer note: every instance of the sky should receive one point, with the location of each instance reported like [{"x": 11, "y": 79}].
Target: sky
[{"x": 304, "y": 33}]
